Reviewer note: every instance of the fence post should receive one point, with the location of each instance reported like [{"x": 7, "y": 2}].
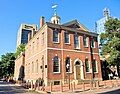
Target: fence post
[
  {"x": 61, "y": 85},
  {"x": 91, "y": 85},
  {"x": 50, "y": 86},
  {"x": 73, "y": 86},
  {"x": 83, "y": 86},
  {"x": 97, "y": 83},
  {"x": 32, "y": 85}
]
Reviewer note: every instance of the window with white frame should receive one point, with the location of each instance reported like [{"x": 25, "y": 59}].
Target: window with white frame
[
  {"x": 66, "y": 37},
  {"x": 55, "y": 36},
  {"x": 68, "y": 64},
  {"x": 56, "y": 65},
  {"x": 76, "y": 41},
  {"x": 87, "y": 65},
  {"x": 92, "y": 43},
  {"x": 85, "y": 41},
  {"x": 95, "y": 67}
]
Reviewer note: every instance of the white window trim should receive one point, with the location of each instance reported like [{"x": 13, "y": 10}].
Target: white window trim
[
  {"x": 79, "y": 43},
  {"x": 53, "y": 37},
  {"x": 96, "y": 66},
  {"x": 70, "y": 66},
  {"x": 93, "y": 44},
  {"x": 64, "y": 37},
  {"x": 86, "y": 42},
  {"x": 89, "y": 67},
  {"x": 59, "y": 67}
]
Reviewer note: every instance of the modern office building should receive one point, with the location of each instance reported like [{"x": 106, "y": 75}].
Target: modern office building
[
  {"x": 23, "y": 31},
  {"x": 100, "y": 28}
]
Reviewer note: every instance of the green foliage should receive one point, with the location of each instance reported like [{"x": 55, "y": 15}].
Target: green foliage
[
  {"x": 112, "y": 41},
  {"x": 20, "y": 48},
  {"x": 7, "y": 63}
]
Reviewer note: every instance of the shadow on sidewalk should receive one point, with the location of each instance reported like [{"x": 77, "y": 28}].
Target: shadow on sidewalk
[{"x": 117, "y": 91}]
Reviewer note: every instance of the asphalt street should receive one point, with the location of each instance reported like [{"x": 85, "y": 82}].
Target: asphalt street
[{"x": 8, "y": 88}]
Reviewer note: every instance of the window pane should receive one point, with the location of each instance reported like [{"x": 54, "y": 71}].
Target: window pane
[
  {"x": 92, "y": 43},
  {"x": 55, "y": 36},
  {"x": 66, "y": 37},
  {"x": 94, "y": 66},
  {"x": 76, "y": 41},
  {"x": 87, "y": 65},
  {"x": 85, "y": 40},
  {"x": 67, "y": 64},
  {"x": 56, "y": 64}
]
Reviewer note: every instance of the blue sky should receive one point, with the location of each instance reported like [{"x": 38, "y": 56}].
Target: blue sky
[{"x": 15, "y": 12}]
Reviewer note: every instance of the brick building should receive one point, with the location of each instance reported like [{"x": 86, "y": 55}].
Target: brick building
[{"x": 61, "y": 52}]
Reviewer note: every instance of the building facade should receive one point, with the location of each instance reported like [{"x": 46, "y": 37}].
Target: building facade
[{"x": 58, "y": 52}]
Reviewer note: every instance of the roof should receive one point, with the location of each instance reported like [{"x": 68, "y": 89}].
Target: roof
[
  {"x": 76, "y": 23},
  {"x": 65, "y": 27}
]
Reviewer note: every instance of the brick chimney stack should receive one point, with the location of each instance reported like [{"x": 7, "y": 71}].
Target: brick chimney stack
[{"x": 42, "y": 21}]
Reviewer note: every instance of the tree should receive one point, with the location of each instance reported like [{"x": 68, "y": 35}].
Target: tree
[
  {"x": 7, "y": 64},
  {"x": 20, "y": 48},
  {"x": 111, "y": 43}
]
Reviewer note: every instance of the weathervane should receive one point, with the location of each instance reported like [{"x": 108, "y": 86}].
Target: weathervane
[{"x": 55, "y": 8}]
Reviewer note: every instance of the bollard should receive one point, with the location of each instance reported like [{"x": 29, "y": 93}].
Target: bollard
[
  {"x": 91, "y": 85},
  {"x": 73, "y": 86},
  {"x": 61, "y": 86},
  {"x": 32, "y": 85},
  {"x": 38, "y": 86},
  {"x": 50, "y": 86},
  {"x": 83, "y": 86},
  {"x": 97, "y": 84}
]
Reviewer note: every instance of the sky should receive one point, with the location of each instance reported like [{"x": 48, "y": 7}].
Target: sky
[{"x": 15, "y": 12}]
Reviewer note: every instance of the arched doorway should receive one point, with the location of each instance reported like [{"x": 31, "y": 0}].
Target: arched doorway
[{"x": 78, "y": 70}]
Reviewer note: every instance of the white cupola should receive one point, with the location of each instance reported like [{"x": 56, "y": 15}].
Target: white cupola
[{"x": 55, "y": 18}]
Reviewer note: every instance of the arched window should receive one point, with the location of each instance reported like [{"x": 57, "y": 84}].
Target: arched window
[
  {"x": 56, "y": 67},
  {"x": 68, "y": 65},
  {"x": 87, "y": 65},
  {"x": 95, "y": 66}
]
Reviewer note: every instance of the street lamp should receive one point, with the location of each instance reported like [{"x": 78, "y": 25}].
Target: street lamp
[{"x": 68, "y": 68}]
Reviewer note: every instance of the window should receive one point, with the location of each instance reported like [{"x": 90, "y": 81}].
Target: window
[
  {"x": 56, "y": 82},
  {"x": 94, "y": 66},
  {"x": 76, "y": 41},
  {"x": 55, "y": 36},
  {"x": 68, "y": 65},
  {"x": 92, "y": 43},
  {"x": 85, "y": 41},
  {"x": 56, "y": 66},
  {"x": 43, "y": 38},
  {"x": 87, "y": 65},
  {"x": 67, "y": 39}
]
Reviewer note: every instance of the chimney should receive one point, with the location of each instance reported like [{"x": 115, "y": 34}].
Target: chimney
[{"x": 41, "y": 21}]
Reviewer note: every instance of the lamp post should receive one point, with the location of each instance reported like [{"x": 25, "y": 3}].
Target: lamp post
[{"x": 68, "y": 68}]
